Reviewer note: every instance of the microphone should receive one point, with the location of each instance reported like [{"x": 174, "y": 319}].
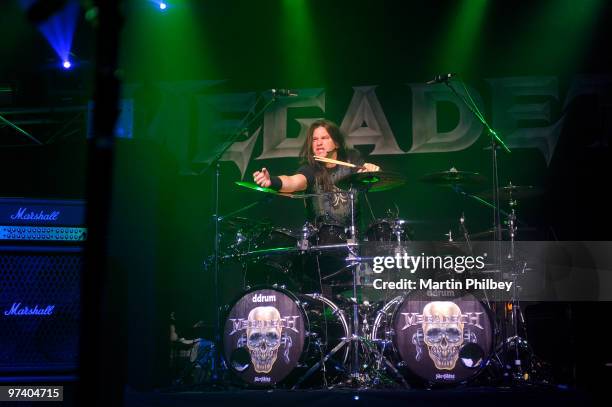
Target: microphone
[
  {"x": 441, "y": 78},
  {"x": 330, "y": 152},
  {"x": 283, "y": 93}
]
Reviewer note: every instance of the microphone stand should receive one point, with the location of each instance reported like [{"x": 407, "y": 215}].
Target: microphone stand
[
  {"x": 244, "y": 124},
  {"x": 495, "y": 142}
]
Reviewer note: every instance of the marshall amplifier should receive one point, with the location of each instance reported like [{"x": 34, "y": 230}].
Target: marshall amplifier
[{"x": 41, "y": 259}]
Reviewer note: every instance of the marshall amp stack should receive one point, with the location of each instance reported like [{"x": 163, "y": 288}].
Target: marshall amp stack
[{"x": 41, "y": 259}]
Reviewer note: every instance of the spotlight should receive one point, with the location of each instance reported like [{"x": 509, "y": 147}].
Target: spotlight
[
  {"x": 67, "y": 64},
  {"x": 162, "y": 6}
]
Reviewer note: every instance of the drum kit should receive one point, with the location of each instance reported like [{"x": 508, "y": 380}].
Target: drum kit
[{"x": 304, "y": 318}]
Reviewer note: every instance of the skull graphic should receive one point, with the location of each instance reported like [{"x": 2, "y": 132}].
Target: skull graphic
[
  {"x": 443, "y": 333},
  {"x": 264, "y": 337}
]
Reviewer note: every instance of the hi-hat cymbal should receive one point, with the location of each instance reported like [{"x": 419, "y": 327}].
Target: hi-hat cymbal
[
  {"x": 373, "y": 181},
  {"x": 489, "y": 234},
  {"x": 514, "y": 191},
  {"x": 454, "y": 177}
]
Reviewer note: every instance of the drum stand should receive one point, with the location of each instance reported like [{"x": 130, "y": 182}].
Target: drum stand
[
  {"x": 354, "y": 340},
  {"x": 517, "y": 373}
]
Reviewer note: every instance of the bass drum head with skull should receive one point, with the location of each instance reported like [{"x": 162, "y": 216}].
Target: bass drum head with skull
[
  {"x": 437, "y": 336},
  {"x": 263, "y": 337}
]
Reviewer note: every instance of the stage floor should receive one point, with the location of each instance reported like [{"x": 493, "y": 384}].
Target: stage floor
[{"x": 480, "y": 396}]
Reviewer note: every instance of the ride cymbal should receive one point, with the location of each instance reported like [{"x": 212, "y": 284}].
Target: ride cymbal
[
  {"x": 514, "y": 192},
  {"x": 372, "y": 181},
  {"x": 454, "y": 177}
]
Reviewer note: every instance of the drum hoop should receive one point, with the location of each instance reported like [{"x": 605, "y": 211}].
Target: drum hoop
[
  {"x": 229, "y": 309},
  {"x": 488, "y": 354},
  {"x": 307, "y": 323},
  {"x": 341, "y": 317}
]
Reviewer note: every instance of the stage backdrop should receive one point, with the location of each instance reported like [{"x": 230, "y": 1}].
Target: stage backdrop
[{"x": 536, "y": 72}]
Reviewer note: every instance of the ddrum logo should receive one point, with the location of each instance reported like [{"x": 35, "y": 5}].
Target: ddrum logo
[{"x": 264, "y": 298}]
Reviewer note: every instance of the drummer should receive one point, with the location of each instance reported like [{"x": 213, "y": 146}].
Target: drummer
[{"x": 323, "y": 139}]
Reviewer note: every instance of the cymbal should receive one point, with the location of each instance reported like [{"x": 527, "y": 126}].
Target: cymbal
[
  {"x": 295, "y": 195},
  {"x": 454, "y": 177},
  {"x": 255, "y": 187},
  {"x": 489, "y": 234},
  {"x": 373, "y": 181},
  {"x": 237, "y": 222},
  {"x": 514, "y": 191}
]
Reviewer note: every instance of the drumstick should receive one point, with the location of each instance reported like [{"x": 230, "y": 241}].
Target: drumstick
[{"x": 332, "y": 161}]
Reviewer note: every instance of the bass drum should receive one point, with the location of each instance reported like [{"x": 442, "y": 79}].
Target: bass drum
[
  {"x": 440, "y": 340},
  {"x": 272, "y": 336}
]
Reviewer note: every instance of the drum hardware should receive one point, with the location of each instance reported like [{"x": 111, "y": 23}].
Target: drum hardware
[
  {"x": 308, "y": 230},
  {"x": 466, "y": 235},
  {"x": 496, "y": 142},
  {"x": 362, "y": 182},
  {"x": 391, "y": 229},
  {"x": 353, "y": 340},
  {"x": 511, "y": 192},
  {"x": 514, "y": 344},
  {"x": 454, "y": 177},
  {"x": 365, "y": 346}
]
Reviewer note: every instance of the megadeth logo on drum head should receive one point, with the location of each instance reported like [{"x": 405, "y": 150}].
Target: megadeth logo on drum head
[
  {"x": 264, "y": 336},
  {"x": 429, "y": 336}
]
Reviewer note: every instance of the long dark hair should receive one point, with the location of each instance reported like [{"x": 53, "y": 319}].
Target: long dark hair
[{"x": 308, "y": 156}]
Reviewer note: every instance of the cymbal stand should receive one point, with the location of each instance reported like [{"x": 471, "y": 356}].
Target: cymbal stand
[
  {"x": 516, "y": 310},
  {"x": 466, "y": 235},
  {"x": 351, "y": 260},
  {"x": 353, "y": 339},
  {"x": 517, "y": 370},
  {"x": 356, "y": 339},
  {"x": 512, "y": 228}
]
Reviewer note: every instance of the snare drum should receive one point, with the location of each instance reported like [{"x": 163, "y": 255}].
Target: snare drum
[
  {"x": 273, "y": 336},
  {"x": 438, "y": 339}
]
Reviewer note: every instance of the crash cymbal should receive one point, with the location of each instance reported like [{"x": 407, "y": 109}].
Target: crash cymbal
[
  {"x": 255, "y": 187},
  {"x": 514, "y": 192},
  {"x": 295, "y": 195},
  {"x": 373, "y": 181},
  {"x": 454, "y": 177}
]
